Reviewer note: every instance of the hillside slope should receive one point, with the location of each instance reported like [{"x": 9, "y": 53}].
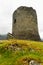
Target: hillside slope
[{"x": 20, "y": 52}]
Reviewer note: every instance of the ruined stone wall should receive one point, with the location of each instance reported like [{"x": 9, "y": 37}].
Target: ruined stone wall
[{"x": 25, "y": 24}]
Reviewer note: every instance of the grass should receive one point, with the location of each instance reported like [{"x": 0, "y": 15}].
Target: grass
[{"x": 22, "y": 49}]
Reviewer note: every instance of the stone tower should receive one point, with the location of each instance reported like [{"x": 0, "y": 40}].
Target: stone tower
[{"x": 25, "y": 24}]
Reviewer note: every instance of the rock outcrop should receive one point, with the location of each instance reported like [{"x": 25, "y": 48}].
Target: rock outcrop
[{"x": 25, "y": 24}]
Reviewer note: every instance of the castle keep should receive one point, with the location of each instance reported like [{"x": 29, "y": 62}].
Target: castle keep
[{"x": 25, "y": 24}]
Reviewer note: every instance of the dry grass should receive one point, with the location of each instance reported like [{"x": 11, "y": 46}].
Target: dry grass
[{"x": 25, "y": 49}]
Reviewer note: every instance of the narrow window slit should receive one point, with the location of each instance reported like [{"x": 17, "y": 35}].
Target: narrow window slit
[{"x": 14, "y": 21}]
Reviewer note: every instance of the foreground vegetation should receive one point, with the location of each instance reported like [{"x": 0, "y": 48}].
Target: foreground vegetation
[{"x": 20, "y": 52}]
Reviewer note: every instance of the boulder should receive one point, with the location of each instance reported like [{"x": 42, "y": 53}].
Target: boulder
[
  {"x": 25, "y": 24},
  {"x": 33, "y": 62}
]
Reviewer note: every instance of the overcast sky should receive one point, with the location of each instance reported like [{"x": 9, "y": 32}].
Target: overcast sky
[{"x": 7, "y": 7}]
